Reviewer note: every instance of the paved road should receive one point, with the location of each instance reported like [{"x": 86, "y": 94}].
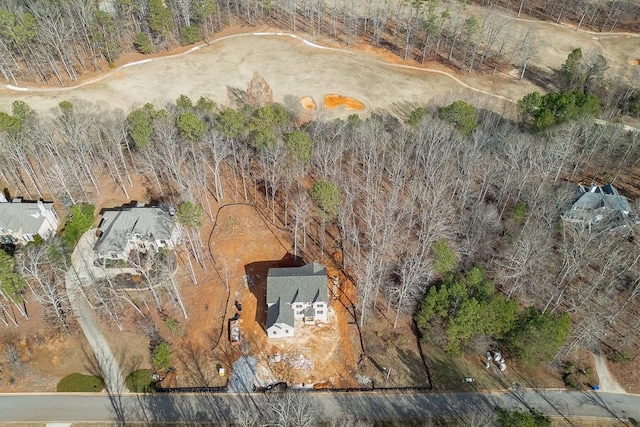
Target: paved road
[
  {"x": 82, "y": 273},
  {"x": 381, "y": 406}
]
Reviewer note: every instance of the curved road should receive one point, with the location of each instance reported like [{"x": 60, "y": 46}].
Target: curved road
[{"x": 372, "y": 406}]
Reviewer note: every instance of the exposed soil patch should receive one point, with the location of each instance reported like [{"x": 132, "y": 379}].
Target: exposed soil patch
[
  {"x": 634, "y": 62},
  {"x": 333, "y": 100},
  {"x": 313, "y": 356},
  {"x": 308, "y": 103}
]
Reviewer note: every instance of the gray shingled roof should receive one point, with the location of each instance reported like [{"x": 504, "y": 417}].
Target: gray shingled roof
[
  {"x": 288, "y": 285},
  {"x": 602, "y": 206},
  {"x": 23, "y": 216},
  {"x": 276, "y": 315},
  {"x": 117, "y": 226}
]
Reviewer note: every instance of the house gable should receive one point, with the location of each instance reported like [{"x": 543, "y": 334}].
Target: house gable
[
  {"x": 598, "y": 206},
  {"x": 295, "y": 293},
  {"x": 140, "y": 228},
  {"x": 23, "y": 220}
]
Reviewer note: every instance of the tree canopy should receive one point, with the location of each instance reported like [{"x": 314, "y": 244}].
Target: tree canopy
[
  {"x": 327, "y": 195},
  {"x": 460, "y": 114},
  {"x": 230, "y": 123},
  {"x": 299, "y": 145},
  {"x": 11, "y": 283},
  {"x": 537, "y": 337},
  {"x": 190, "y": 126},
  {"x": 80, "y": 220},
  {"x": 189, "y": 214},
  {"x": 542, "y": 112},
  {"x": 465, "y": 306}
]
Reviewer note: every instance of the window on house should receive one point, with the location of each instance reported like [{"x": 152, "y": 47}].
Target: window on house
[
  {"x": 286, "y": 331},
  {"x": 320, "y": 311}
]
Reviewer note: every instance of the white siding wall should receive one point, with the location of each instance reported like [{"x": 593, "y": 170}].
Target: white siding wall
[
  {"x": 320, "y": 309},
  {"x": 299, "y": 308},
  {"x": 280, "y": 330}
]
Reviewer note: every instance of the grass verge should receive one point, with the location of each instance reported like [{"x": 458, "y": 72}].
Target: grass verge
[
  {"x": 140, "y": 381},
  {"x": 80, "y": 383}
]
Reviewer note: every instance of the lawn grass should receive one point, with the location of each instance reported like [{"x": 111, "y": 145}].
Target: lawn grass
[
  {"x": 140, "y": 381},
  {"x": 80, "y": 383},
  {"x": 448, "y": 372}
]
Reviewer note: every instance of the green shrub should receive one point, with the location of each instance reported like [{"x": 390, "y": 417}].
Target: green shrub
[
  {"x": 162, "y": 356},
  {"x": 190, "y": 34},
  {"x": 460, "y": 114},
  {"x": 416, "y": 117},
  {"x": 621, "y": 357},
  {"x": 142, "y": 43},
  {"x": 173, "y": 325},
  {"x": 140, "y": 381},
  {"x": 80, "y": 383},
  {"x": 517, "y": 418},
  {"x": 79, "y": 222}
]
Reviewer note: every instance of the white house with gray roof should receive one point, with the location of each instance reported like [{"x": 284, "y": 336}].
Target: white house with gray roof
[
  {"x": 296, "y": 294},
  {"x": 21, "y": 221},
  {"x": 135, "y": 228}
]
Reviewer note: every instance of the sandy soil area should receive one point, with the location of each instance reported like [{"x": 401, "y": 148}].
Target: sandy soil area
[{"x": 333, "y": 100}]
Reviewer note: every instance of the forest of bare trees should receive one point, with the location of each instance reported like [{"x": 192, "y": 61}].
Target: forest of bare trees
[
  {"x": 379, "y": 192},
  {"x": 56, "y": 41}
]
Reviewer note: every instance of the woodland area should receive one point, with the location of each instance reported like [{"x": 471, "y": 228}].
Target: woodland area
[
  {"x": 452, "y": 216},
  {"x": 56, "y": 41},
  {"x": 399, "y": 207}
]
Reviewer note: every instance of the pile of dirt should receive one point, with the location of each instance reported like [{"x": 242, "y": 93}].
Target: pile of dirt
[{"x": 333, "y": 100}]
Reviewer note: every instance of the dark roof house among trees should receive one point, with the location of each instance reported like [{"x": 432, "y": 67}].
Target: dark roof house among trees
[
  {"x": 140, "y": 228},
  {"x": 22, "y": 220},
  {"x": 601, "y": 207}
]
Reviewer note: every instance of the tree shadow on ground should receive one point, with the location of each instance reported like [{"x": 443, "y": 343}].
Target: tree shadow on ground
[
  {"x": 541, "y": 78},
  {"x": 449, "y": 373},
  {"x": 415, "y": 364},
  {"x": 256, "y": 273}
]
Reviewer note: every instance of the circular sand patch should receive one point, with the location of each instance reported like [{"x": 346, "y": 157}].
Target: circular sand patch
[
  {"x": 308, "y": 103},
  {"x": 333, "y": 100},
  {"x": 634, "y": 62}
]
